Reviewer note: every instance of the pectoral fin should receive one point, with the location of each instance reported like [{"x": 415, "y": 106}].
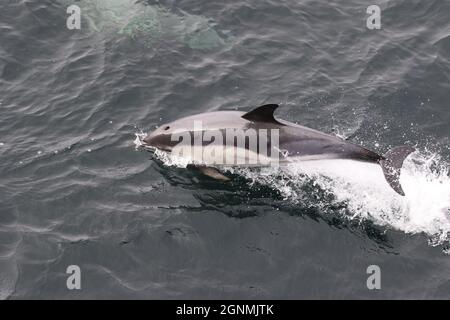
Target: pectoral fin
[{"x": 213, "y": 173}]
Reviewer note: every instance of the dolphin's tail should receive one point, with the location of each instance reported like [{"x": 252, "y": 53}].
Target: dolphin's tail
[{"x": 392, "y": 162}]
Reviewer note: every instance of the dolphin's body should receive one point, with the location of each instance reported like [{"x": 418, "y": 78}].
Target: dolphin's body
[
  {"x": 148, "y": 24},
  {"x": 297, "y": 143}
]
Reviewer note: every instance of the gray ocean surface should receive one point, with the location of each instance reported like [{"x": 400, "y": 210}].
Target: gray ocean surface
[{"x": 75, "y": 189}]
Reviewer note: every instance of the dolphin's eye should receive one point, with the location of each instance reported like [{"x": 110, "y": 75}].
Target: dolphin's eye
[{"x": 167, "y": 128}]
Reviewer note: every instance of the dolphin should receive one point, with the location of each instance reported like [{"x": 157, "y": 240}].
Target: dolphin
[
  {"x": 293, "y": 142},
  {"x": 149, "y": 24}
]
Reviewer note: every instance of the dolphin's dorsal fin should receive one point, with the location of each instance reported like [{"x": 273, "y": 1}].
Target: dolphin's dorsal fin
[{"x": 262, "y": 114}]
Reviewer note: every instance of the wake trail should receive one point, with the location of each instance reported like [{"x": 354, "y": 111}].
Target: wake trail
[{"x": 362, "y": 189}]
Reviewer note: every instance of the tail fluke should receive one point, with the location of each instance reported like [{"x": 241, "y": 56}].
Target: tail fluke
[{"x": 392, "y": 164}]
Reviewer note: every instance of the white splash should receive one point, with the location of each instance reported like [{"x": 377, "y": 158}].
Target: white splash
[
  {"x": 140, "y": 136},
  {"x": 425, "y": 178},
  {"x": 366, "y": 194}
]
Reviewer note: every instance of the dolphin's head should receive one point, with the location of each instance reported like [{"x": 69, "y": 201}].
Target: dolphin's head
[
  {"x": 168, "y": 135},
  {"x": 161, "y": 138}
]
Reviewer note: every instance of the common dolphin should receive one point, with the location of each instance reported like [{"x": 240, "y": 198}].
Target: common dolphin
[
  {"x": 294, "y": 142},
  {"x": 147, "y": 24}
]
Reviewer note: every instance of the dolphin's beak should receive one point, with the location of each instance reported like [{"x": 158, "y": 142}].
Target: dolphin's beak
[
  {"x": 151, "y": 139},
  {"x": 154, "y": 140},
  {"x": 147, "y": 140}
]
